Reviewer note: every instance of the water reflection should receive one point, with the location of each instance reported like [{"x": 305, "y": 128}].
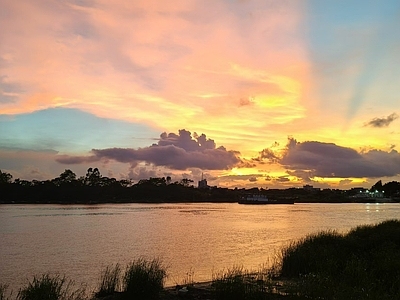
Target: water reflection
[
  {"x": 373, "y": 207},
  {"x": 201, "y": 238}
]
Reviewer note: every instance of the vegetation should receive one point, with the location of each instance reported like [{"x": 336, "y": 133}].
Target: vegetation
[
  {"x": 48, "y": 287},
  {"x": 144, "y": 279},
  {"x": 240, "y": 284},
  {"x": 3, "y": 291},
  {"x": 110, "y": 281},
  {"x": 362, "y": 264},
  {"x": 94, "y": 188}
]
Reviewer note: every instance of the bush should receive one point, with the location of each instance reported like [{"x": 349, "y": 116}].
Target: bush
[
  {"x": 49, "y": 287},
  {"x": 144, "y": 279}
]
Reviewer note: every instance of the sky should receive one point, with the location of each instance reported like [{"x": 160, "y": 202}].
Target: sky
[{"x": 247, "y": 93}]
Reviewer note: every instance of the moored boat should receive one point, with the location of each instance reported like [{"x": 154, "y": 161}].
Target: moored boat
[{"x": 263, "y": 199}]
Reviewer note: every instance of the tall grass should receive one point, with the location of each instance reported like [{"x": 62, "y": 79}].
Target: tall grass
[
  {"x": 188, "y": 280},
  {"x": 144, "y": 279},
  {"x": 110, "y": 281},
  {"x": 362, "y": 264},
  {"x": 50, "y": 287},
  {"x": 310, "y": 254},
  {"x": 3, "y": 292},
  {"x": 240, "y": 284}
]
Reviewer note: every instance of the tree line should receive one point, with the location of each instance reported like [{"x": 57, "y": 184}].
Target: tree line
[{"x": 96, "y": 188}]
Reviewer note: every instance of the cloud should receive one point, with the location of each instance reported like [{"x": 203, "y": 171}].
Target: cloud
[
  {"x": 176, "y": 151},
  {"x": 9, "y": 91},
  {"x": 126, "y": 60},
  {"x": 282, "y": 179},
  {"x": 311, "y": 158},
  {"x": 74, "y": 160},
  {"x": 382, "y": 122},
  {"x": 267, "y": 154},
  {"x": 141, "y": 172}
]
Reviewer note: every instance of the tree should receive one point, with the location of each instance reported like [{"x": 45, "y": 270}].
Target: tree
[
  {"x": 22, "y": 182},
  {"x": 153, "y": 181},
  {"x": 93, "y": 177},
  {"x": 66, "y": 177},
  {"x": 5, "y": 177},
  {"x": 392, "y": 188},
  {"x": 125, "y": 182},
  {"x": 377, "y": 187},
  {"x": 185, "y": 182}
]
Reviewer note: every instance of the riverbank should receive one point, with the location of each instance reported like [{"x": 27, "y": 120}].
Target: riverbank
[{"x": 100, "y": 190}]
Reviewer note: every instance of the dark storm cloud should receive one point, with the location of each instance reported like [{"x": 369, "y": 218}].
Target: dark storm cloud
[
  {"x": 176, "y": 151},
  {"x": 330, "y": 160},
  {"x": 382, "y": 122}
]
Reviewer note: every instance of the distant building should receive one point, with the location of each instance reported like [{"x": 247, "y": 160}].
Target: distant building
[
  {"x": 358, "y": 190},
  {"x": 369, "y": 194},
  {"x": 202, "y": 183}
]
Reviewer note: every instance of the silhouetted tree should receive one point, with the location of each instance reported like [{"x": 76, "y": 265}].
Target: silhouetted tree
[
  {"x": 125, "y": 182},
  {"x": 153, "y": 181},
  {"x": 106, "y": 181},
  {"x": 67, "y": 177},
  {"x": 5, "y": 177},
  {"x": 392, "y": 188},
  {"x": 93, "y": 177},
  {"x": 22, "y": 182},
  {"x": 186, "y": 182},
  {"x": 377, "y": 187}
]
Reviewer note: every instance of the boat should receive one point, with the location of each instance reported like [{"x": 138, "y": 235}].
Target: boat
[{"x": 263, "y": 199}]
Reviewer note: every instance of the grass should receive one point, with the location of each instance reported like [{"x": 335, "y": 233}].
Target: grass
[
  {"x": 144, "y": 279},
  {"x": 3, "y": 292},
  {"x": 50, "y": 287},
  {"x": 110, "y": 281},
  {"x": 188, "y": 280},
  {"x": 362, "y": 264},
  {"x": 240, "y": 284}
]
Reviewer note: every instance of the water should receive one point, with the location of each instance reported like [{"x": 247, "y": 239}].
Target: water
[{"x": 195, "y": 239}]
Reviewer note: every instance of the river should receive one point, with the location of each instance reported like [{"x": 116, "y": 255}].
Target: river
[{"x": 194, "y": 241}]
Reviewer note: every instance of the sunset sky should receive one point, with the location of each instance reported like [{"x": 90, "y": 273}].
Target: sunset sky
[{"x": 273, "y": 94}]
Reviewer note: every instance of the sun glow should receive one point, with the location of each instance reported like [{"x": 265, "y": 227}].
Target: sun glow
[{"x": 336, "y": 181}]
